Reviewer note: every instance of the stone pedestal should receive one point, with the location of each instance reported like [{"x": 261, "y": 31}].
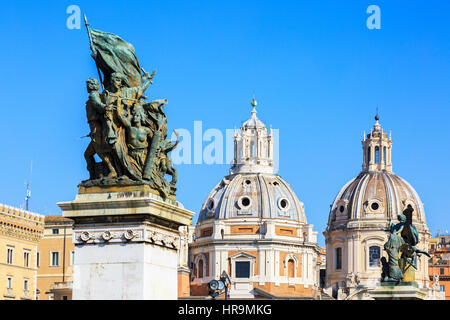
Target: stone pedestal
[
  {"x": 126, "y": 243},
  {"x": 402, "y": 291}
]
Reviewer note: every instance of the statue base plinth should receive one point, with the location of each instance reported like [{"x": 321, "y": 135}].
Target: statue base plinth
[
  {"x": 126, "y": 243},
  {"x": 390, "y": 290}
]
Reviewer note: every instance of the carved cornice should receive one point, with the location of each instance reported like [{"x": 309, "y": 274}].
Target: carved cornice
[
  {"x": 19, "y": 233},
  {"x": 107, "y": 234}
]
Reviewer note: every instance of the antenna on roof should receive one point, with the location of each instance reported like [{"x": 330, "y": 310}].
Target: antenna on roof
[{"x": 28, "y": 196}]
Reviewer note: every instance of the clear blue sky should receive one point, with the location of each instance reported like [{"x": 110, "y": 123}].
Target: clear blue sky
[{"x": 317, "y": 71}]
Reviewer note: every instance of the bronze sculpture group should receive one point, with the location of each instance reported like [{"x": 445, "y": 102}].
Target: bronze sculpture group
[
  {"x": 401, "y": 249},
  {"x": 128, "y": 133}
]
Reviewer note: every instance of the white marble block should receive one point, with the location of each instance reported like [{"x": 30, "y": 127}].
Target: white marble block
[{"x": 126, "y": 245}]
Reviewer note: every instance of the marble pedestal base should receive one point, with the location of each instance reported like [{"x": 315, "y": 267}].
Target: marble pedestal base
[
  {"x": 402, "y": 291},
  {"x": 126, "y": 243}
]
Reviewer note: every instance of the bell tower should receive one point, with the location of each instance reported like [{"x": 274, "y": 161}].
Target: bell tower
[{"x": 377, "y": 148}]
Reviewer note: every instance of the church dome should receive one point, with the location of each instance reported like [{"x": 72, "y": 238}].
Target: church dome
[
  {"x": 252, "y": 195},
  {"x": 253, "y": 227},
  {"x": 359, "y": 220},
  {"x": 252, "y": 190},
  {"x": 376, "y": 193}
]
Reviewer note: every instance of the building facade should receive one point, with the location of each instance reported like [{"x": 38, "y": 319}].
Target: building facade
[
  {"x": 20, "y": 232},
  {"x": 56, "y": 257},
  {"x": 253, "y": 226},
  {"x": 359, "y": 218},
  {"x": 439, "y": 265}
]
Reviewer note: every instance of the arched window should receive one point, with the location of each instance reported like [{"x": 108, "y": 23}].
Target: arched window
[
  {"x": 377, "y": 155},
  {"x": 368, "y": 155},
  {"x": 384, "y": 155},
  {"x": 291, "y": 268},
  {"x": 374, "y": 256},
  {"x": 252, "y": 149},
  {"x": 200, "y": 268}
]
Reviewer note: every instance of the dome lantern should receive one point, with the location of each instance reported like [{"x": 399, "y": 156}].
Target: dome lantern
[
  {"x": 377, "y": 147},
  {"x": 253, "y": 147}
]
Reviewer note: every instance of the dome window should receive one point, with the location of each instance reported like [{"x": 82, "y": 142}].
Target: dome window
[
  {"x": 244, "y": 202},
  {"x": 283, "y": 204},
  {"x": 374, "y": 206},
  {"x": 211, "y": 204},
  {"x": 275, "y": 183},
  {"x": 248, "y": 182},
  {"x": 341, "y": 209}
]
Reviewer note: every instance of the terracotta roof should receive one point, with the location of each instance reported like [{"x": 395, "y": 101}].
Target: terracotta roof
[{"x": 50, "y": 219}]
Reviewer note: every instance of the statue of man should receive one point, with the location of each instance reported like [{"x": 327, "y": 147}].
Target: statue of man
[
  {"x": 95, "y": 110},
  {"x": 165, "y": 163},
  {"x": 138, "y": 135}
]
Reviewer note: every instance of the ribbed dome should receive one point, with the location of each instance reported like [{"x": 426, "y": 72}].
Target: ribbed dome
[
  {"x": 253, "y": 196},
  {"x": 375, "y": 195}
]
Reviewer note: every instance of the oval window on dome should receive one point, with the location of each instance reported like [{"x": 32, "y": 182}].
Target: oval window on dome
[
  {"x": 248, "y": 182},
  {"x": 211, "y": 204},
  {"x": 244, "y": 202},
  {"x": 341, "y": 209},
  {"x": 283, "y": 204},
  {"x": 375, "y": 206}
]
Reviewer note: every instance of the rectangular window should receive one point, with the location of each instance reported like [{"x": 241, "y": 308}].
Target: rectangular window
[
  {"x": 9, "y": 283},
  {"x": 54, "y": 259},
  {"x": 9, "y": 256},
  {"x": 374, "y": 256},
  {"x": 64, "y": 298},
  {"x": 25, "y": 285},
  {"x": 26, "y": 259},
  {"x": 242, "y": 269},
  {"x": 72, "y": 258},
  {"x": 338, "y": 258},
  {"x": 442, "y": 288},
  {"x": 55, "y": 231},
  {"x": 441, "y": 271},
  {"x": 38, "y": 259}
]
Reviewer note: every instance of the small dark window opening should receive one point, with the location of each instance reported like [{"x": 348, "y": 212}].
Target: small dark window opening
[
  {"x": 245, "y": 202},
  {"x": 375, "y": 206},
  {"x": 374, "y": 256},
  {"x": 283, "y": 203},
  {"x": 55, "y": 231},
  {"x": 338, "y": 252},
  {"x": 242, "y": 269},
  {"x": 200, "y": 269},
  {"x": 341, "y": 209},
  {"x": 248, "y": 181}
]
